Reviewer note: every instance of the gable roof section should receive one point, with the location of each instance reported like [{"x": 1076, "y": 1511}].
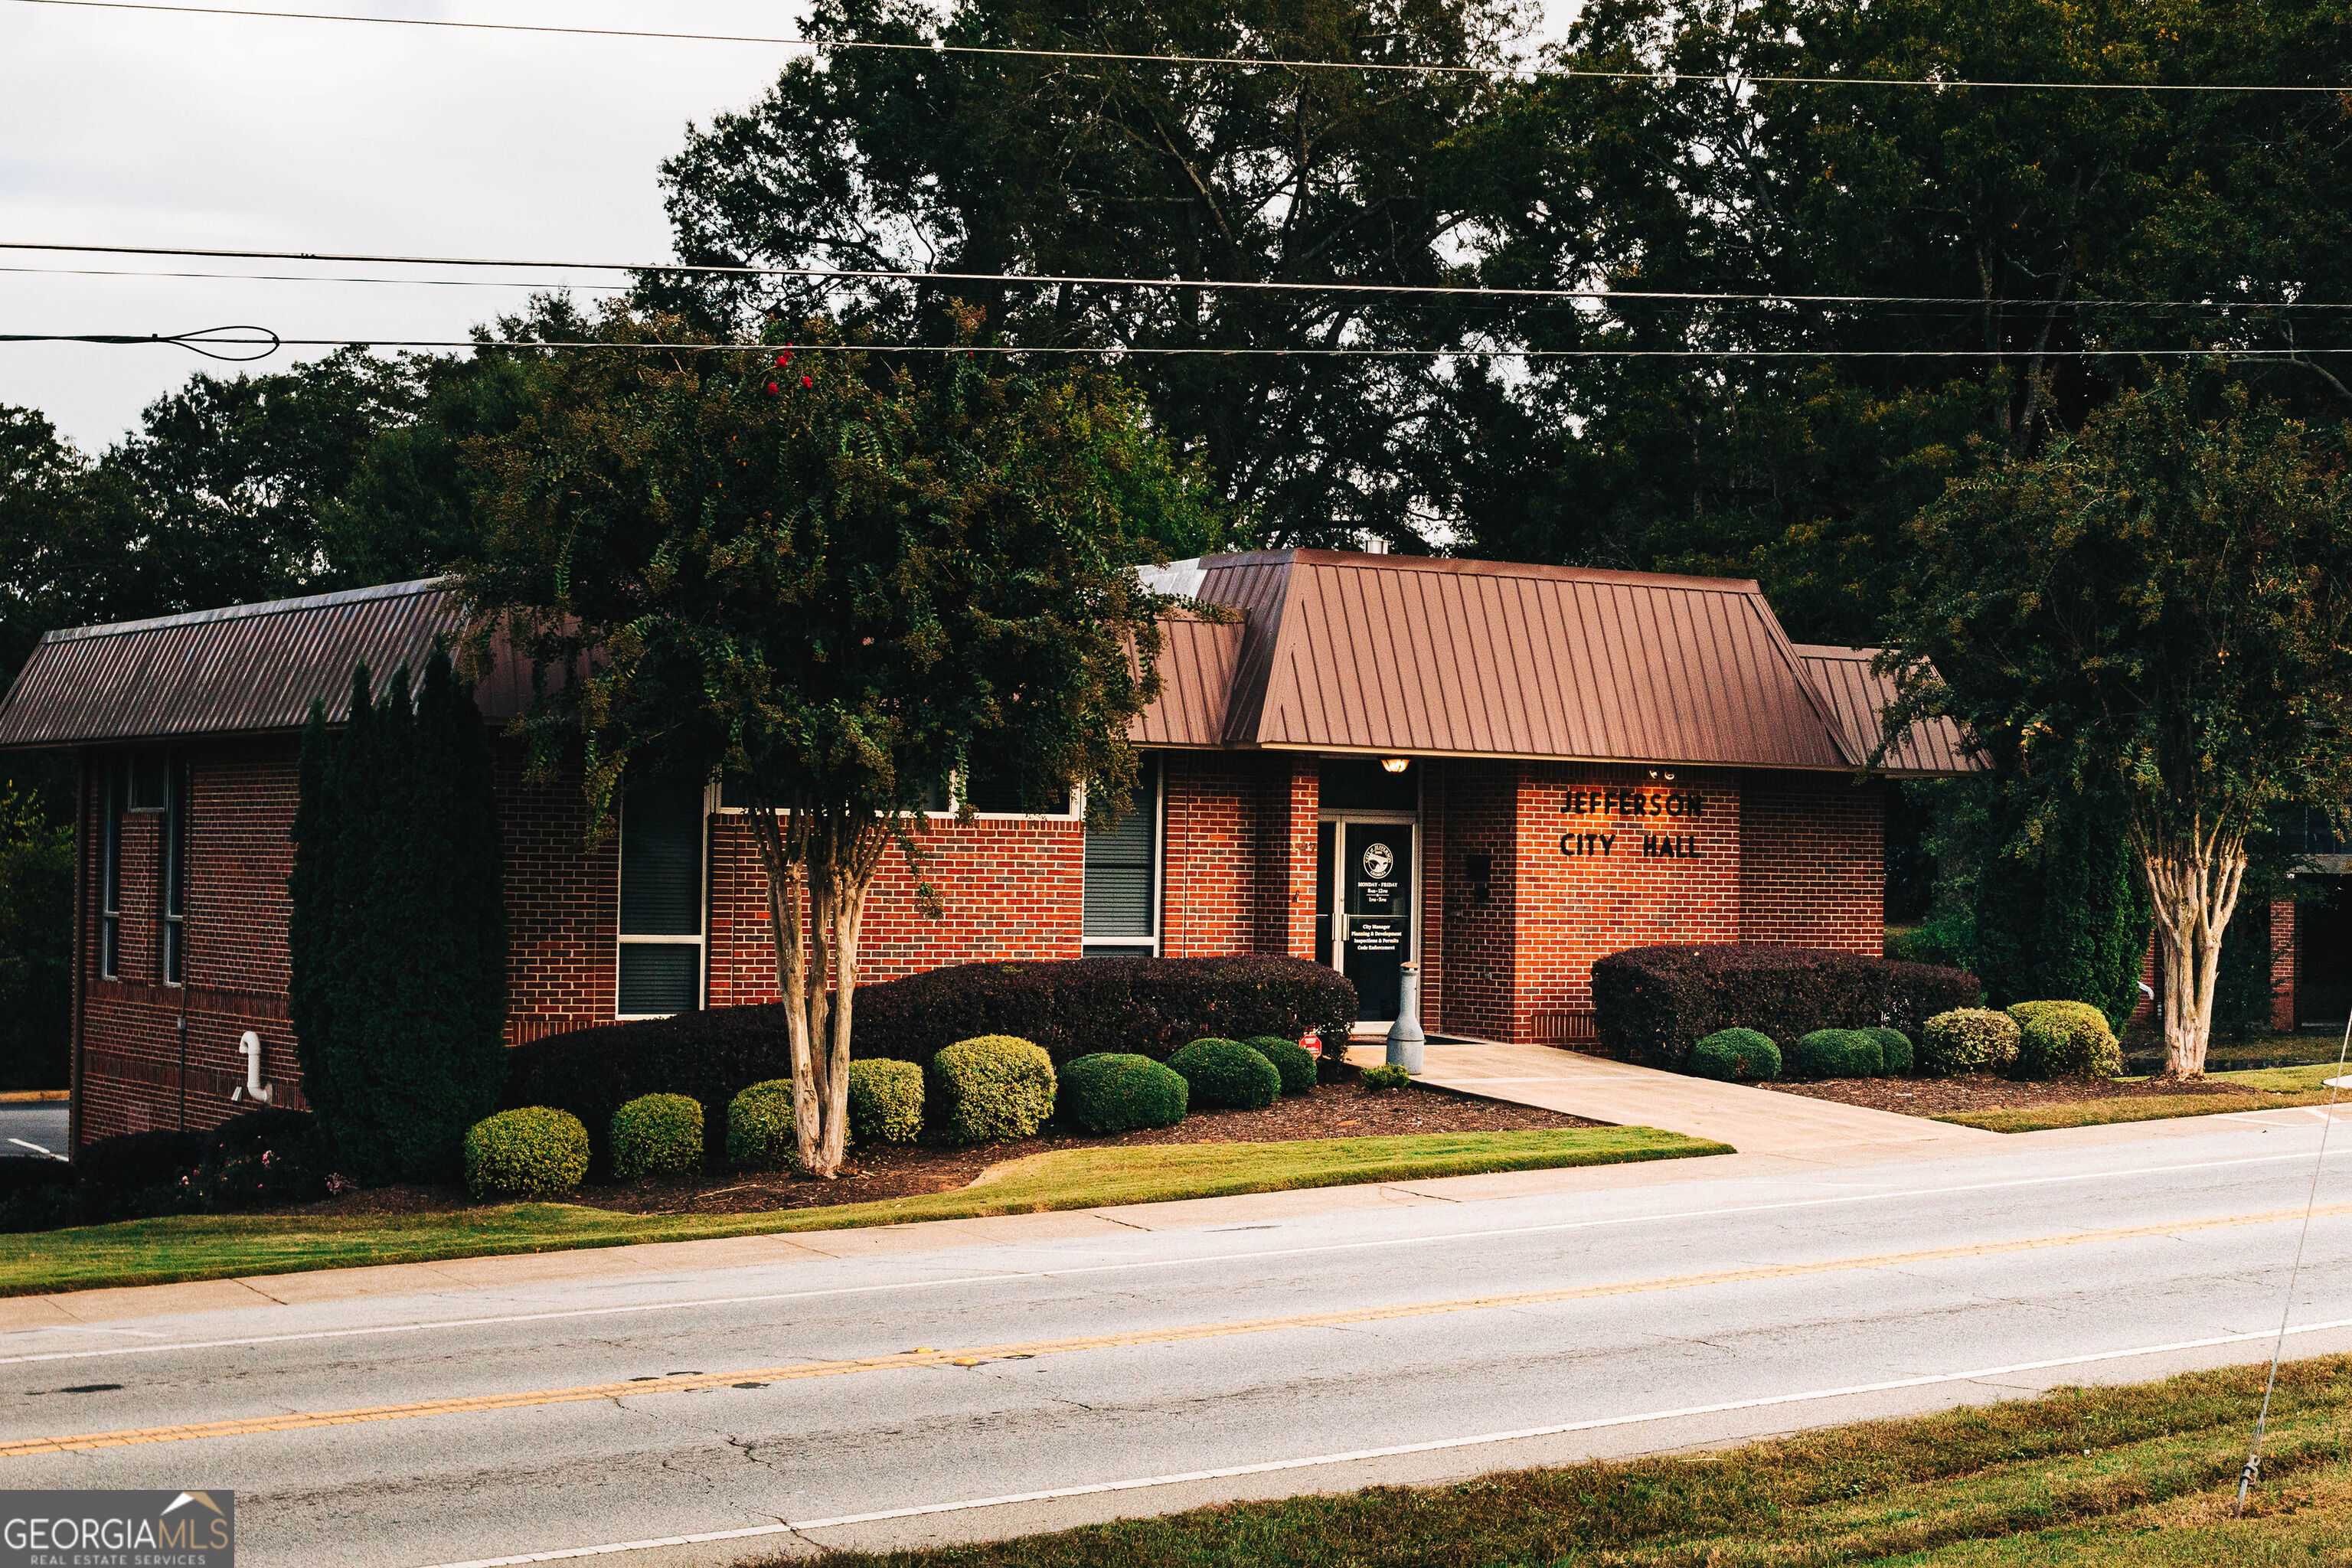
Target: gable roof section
[
  {"x": 247, "y": 668},
  {"x": 1858, "y": 697},
  {"x": 1197, "y": 658},
  {"x": 1438, "y": 657}
]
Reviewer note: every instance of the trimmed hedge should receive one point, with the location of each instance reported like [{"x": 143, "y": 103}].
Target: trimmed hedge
[
  {"x": 2064, "y": 1039},
  {"x": 886, "y": 1102},
  {"x": 658, "y": 1135},
  {"x": 1294, "y": 1061},
  {"x": 1967, "y": 1039},
  {"x": 1652, "y": 1001},
  {"x": 1228, "y": 1073},
  {"x": 1733, "y": 1055},
  {"x": 533, "y": 1153},
  {"x": 1894, "y": 1050},
  {"x": 1120, "y": 1092},
  {"x": 761, "y": 1127},
  {"x": 1836, "y": 1053},
  {"x": 709, "y": 1054},
  {"x": 993, "y": 1089},
  {"x": 1148, "y": 1005}
]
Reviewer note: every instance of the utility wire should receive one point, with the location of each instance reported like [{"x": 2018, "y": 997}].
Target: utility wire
[
  {"x": 313, "y": 277},
  {"x": 997, "y": 279},
  {"x": 1113, "y": 57},
  {"x": 2253, "y": 1468},
  {"x": 1114, "y": 351},
  {"x": 206, "y": 341}
]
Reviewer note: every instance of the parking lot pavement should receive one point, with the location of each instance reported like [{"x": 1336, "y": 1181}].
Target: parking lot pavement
[{"x": 41, "y": 1124}]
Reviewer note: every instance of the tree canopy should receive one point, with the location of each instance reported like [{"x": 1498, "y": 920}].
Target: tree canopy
[
  {"x": 832, "y": 582},
  {"x": 2156, "y": 610}
]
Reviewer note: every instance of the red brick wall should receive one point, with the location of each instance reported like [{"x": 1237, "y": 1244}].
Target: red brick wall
[
  {"x": 1475, "y": 813},
  {"x": 1574, "y": 909},
  {"x": 134, "y": 1073},
  {"x": 1813, "y": 872},
  {"x": 1289, "y": 798},
  {"x": 2282, "y": 1017},
  {"x": 1011, "y": 889},
  {"x": 1209, "y": 904},
  {"x": 563, "y": 904}
]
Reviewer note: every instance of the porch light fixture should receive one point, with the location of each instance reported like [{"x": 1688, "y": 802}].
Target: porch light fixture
[{"x": 1395, "y": 765}]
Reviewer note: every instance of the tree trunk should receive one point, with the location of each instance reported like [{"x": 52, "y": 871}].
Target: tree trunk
[
  {"x": 2195, "y": 888},
  {"x": 820, "y": 873}
]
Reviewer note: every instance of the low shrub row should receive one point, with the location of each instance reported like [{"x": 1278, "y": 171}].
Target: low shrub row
[
  {"x": 2032, "y": 1040},
  {"x": 1655, "y": 1003},
  {"x": 264, "y": 1159}
]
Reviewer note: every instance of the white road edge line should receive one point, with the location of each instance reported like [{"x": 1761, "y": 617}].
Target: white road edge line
[
  {"x": 1271, "y": 1466},
  {"x": 960, "y": 1279}
]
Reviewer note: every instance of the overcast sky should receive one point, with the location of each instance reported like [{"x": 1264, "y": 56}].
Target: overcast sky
[{"x": 128, "y": 127}]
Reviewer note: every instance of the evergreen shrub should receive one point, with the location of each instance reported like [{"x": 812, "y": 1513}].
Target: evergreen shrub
[
  {"x": 535, "y": 1151},
  {"x": 886, "y": 1102},
  {"x": 1653, "y": 1002},
  {"x": 1967, "y": 1039},
  {"x": 135, "y": 1174},
  {"x": 1894, "y": 1050},
  {"x": 1386, "y": 1077},
  {"x": 1227, "y": 1073},
  {"x": 760, "y": 1127},
  {"x": 1150, "y": 1005},
  {"x": 1120, "y": 1092},
  {"x": 992, "y": 1089},
  {"x": 2064, "y": 1039},
  {"x": 658, "y": 1135},
  {"x": 709, "y": 1054},
  {"x": 1732, "y": 1055},
  {"x": 1294, "y": 1061},
  {"x": 1836, "y": 1053},
  {"x": 397, "y": 932}
]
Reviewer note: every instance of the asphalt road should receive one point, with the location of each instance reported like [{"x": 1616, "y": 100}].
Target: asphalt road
[
  {"x": 1472, "y": 1335},
  {"x": 39, "y": 1123}
]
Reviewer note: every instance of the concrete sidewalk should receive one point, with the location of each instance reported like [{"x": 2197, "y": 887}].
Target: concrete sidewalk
[{"x": 1788, "y": 1131}]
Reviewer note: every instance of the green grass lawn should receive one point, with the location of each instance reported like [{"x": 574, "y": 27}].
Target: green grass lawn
[
  {"x": 2266, "y": 1089},
  {"x": 2140, "y": 1476},
  {"x": 213, "y": 1246}
]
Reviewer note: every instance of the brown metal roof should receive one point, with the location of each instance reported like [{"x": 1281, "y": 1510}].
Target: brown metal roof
[
  {"x": 249, "y": 667},
  {"x": 1391, "y": 653},
  {"x": 1197, "y": 659},
  {"x": 1858, "y": 697}
]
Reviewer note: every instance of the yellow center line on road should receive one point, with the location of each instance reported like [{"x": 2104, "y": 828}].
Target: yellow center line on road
[{"x": 301, "y": 1421}]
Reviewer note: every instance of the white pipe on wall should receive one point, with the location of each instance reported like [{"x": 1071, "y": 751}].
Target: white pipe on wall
[{"x": 252, "y": 1088}]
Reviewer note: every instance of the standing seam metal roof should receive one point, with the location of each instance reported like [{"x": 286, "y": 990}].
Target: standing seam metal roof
[{"x": 1859, "y": 695}]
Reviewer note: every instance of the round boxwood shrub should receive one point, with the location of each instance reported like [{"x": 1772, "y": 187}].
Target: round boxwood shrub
[
  {"x": 992, "y": 1088},
  {"x": 1967, "y": 1039},
  {"x": 1836, "y": 1053},
  {"x": 1733, "y": 1054},
  {"x": 1228, "y": 1073},
  {"x": 2064, "y": 1039},
  {"x": 1894, "y": 1050},
  {"x": 1115, "y": 1093},
  {"x": 533, "y": 1152},
  {"x": 658, "y": 1135},
  {"x": 760, "y": 1132},
  {"x": 886, "y": 1102},
  {"x": 1293, "y": 1061}
]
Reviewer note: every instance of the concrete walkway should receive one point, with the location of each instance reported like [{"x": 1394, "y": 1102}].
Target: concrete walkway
[{"x": 1789, "y": 1130}]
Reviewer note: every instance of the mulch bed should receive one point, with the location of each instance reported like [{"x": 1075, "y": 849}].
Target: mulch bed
[
  {"x": 1948, "y": 1096},
  {"x": 1345, "y": 1109}
]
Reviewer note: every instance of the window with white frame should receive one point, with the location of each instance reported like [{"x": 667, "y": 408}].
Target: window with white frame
[
  {"x": 662, "y": 872},
  {"x": 1123, "y": 866}
]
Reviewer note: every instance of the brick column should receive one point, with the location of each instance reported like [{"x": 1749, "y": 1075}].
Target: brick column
[
  {"x": 2283, "y": 955},
  {"x": 1285, "y": 860}
]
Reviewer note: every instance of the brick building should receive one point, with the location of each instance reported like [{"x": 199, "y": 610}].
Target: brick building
[{"x": 1498, "y": 771}]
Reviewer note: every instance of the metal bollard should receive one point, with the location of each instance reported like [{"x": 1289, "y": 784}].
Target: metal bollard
[{"x": 1404, "y": 1035}]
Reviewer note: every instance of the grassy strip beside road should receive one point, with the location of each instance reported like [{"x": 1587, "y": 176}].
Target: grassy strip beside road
[
  {"x": 216, "y": 1247},
  {"x": 2139, "y": 1475},
  {"x": 2266, "y": 1089}
]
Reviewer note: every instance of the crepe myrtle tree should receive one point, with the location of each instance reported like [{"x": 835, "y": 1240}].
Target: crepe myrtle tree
[
  {"x": 833, "y": 579},
  {"x": 2156, "y": 612}
]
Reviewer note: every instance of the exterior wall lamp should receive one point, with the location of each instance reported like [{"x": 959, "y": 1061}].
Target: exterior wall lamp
[{"x": 1396, "y": 764}]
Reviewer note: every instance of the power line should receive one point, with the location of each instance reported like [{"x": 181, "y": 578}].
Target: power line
[
  {"x": 206, "y": 341},
  {"x": 995, "y": 279},
  {"x": 312, "y": 277},
  {"x": 1115, "y": 57},
  {"x": 1115, "y": 351}
]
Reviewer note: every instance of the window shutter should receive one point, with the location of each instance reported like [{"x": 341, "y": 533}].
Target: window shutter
[{"x": 1119, "y": 893}]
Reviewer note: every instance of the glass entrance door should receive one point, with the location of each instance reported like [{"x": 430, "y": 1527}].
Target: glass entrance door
[{"x": 1364, "y": 926}]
